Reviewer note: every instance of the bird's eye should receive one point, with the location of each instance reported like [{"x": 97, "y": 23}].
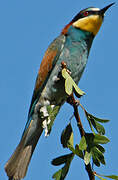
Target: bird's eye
[{"x": 86, "y": 13}]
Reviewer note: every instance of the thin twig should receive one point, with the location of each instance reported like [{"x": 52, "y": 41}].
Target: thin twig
[{"x": 71, "y": 100}]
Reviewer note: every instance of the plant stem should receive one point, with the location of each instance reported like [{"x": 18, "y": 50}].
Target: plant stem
[{"x": 71, "y": 100}]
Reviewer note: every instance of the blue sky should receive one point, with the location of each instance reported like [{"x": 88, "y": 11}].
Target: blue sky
[{"x": 26, "y": 29}]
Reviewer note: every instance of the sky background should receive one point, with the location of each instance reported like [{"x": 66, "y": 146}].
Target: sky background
[{"x": 26, "y": 29}]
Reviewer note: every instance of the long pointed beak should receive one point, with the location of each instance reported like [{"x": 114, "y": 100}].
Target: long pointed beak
[{"x": 102, "y": 11}]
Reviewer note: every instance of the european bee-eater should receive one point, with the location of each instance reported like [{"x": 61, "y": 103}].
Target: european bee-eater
[{"x": 72, "y": 46}]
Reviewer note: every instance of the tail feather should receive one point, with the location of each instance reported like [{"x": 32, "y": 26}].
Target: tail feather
[
  {"x": 17, "y": 165},
  {"x": 16, "y": 168}
]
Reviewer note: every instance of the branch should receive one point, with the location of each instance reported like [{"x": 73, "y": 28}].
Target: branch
[{"x": 71, "y": 100}]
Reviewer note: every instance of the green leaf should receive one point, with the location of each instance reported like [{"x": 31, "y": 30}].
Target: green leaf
[
  {"x": 78, "y": 152},
  {"x": 100, "y": 148},
  {"x": 70, "y": 85},
  {"x": 99, "y": 139},
  {"x": 108, "y": 176},
  {"x": 70, "y": 141},
  {"x": 52, "y": 115},
  {"x": 101, "y": 120},
  {"x": 112, "y": 177},
  {"x": 67, "y": 136},
  {"x": 90, "y": 116},
  {"x": 65, "y": 74},
  {"x": 93, "y": 139},
  {"x": 87, "y": 157},
  {"x": 83, "y": 144},
  {"x": 93, "y": 120},
  {"x": 61, "y": 174},
  {"x": 71, "y": 148},
  {"x": 99, "y": 128},
  {"x": 90, "y": 124},
  {"x": 68, "y": 82},
  {"x": 93, "y": 147},
  {"x": 95, "y": 160},
  {"x": 61, "y": 159},
  {"x": 78, "y": 92},
  {"x": 99, "y": 177},
  {"x": 98, "y": 155},
  {"x": 57, "y": 175}
]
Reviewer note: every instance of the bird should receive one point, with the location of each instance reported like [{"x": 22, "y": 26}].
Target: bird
[{"x": 72, "y": 47}]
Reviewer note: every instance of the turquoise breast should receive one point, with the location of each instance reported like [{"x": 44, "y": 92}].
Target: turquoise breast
[{"x": 75, "y": 54}]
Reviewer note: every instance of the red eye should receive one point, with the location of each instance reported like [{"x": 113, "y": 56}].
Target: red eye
[{"x": 85, "y": 13}]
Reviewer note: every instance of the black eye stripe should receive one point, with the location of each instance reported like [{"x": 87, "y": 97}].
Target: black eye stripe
[
  {"x": 78, "y": 16},
  {"x": 81, "y": 14},
  {"x": 90, "y": 13}
]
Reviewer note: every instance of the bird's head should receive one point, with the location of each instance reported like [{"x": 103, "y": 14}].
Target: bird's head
[{"x": 89, "y": 19}]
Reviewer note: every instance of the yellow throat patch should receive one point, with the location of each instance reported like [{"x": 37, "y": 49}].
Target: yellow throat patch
[{"x": 90, "y": 23}]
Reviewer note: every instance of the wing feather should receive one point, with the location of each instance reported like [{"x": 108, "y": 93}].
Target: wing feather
[{"x": 49, "y": 60}]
